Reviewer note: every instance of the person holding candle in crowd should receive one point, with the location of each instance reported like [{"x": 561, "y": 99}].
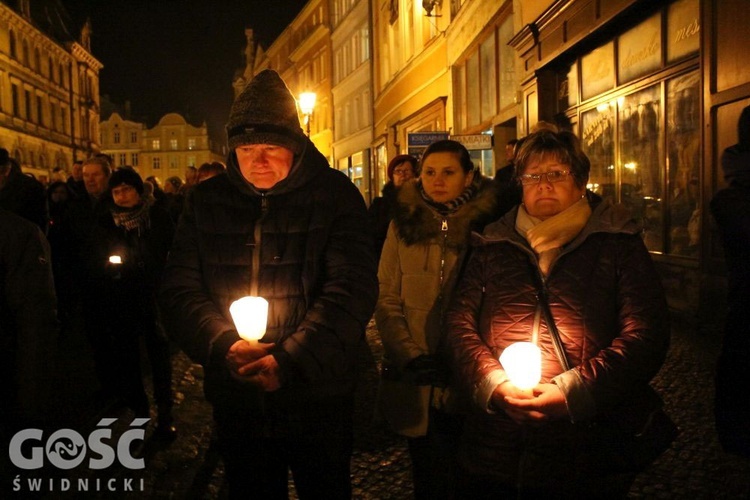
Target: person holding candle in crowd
[
  {"x": 284, "y": 226},
  {"x": 421, "y": 257},
  {"x": 131, "y": 244},
  {"x": 584, "y": 257}
]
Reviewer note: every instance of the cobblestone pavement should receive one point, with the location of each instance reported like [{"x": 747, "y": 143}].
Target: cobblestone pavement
[{"x": 694, "y": 467}]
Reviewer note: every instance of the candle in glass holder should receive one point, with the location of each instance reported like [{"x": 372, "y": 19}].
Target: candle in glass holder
[
  {"x": 115, "y": 259},
  {"x": 250, "y": 315},
  {"x": 522, "y": 362}
]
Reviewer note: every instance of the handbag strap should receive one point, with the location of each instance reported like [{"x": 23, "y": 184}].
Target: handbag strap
[{"x": 541, "y": 297}]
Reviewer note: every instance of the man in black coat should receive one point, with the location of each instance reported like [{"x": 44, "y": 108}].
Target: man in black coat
[
  {"x": 21, "y": 194},
  {"x": 731, "y": 210},
  {"x": 284, "y": 226},
  {"x": 28, "y": 324}
]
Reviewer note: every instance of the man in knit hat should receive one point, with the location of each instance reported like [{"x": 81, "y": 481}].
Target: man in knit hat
[
  {"x": 731, "y": 209},
  {"x": 284, "y": 226}
]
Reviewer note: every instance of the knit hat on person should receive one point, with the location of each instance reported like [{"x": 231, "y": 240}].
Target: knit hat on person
[
  {"x": 735, "y": 160},
  {"x": 398, "y": 160},
  {"x": 266, "y": 113},
  {"x": 126, "y": 176}
]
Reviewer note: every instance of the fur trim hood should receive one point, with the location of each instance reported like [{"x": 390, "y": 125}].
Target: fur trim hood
[{"x": 416, "y": 222}]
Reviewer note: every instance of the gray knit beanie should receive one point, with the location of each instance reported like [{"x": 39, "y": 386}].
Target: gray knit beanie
[{"x": 265, "y": 113}]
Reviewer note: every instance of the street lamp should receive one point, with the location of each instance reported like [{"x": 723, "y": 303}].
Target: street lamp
[{"x": 307, "y": 106}]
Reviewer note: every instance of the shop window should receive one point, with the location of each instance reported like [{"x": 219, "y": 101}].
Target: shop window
[
  {"x": 683, "y": 164},
  {"x": 639, "y": 141},
  {"x": 683, "y": 29},
  {"x": 357, "y": 171},
  {"x": 639, "y": 50},
  {"x": 599, "y": 68}
]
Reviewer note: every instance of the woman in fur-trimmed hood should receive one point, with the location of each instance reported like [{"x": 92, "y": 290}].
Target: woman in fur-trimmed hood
[{"x": 419, "y": 265}]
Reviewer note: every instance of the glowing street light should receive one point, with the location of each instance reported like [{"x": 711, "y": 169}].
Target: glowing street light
[{"x": 307, "y": 106}]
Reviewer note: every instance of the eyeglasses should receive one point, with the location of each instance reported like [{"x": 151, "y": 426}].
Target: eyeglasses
[
  {"x": 552, "y": 176},
  {"x": 403, "y": 171}
]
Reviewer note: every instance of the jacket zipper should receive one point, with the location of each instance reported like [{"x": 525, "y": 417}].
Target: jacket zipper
[{"x": 255, "y": 252}]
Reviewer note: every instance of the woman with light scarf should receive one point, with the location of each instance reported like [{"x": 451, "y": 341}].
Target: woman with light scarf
[
  {"x": 133, "y": 240},
  {"x": 584, "y": 258},
  {"x": 421, "y": 259}
]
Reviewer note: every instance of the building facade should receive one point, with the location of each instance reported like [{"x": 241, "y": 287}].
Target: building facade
[
  {"x": 653, "y": 88},
  {"x": 165, "y": 150},
  {"x": 49, "y": 89},
  {"x": 351, "y": 90}
]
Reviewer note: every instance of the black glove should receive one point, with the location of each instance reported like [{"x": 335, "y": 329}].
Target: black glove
[{"x": 426, "y": 370}]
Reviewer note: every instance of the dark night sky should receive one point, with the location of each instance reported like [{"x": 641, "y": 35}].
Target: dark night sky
[{"x": 177, "y": 55}]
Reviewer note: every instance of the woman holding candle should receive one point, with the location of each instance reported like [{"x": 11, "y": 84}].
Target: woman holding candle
[
  {"x": 132, "y": 243},
  {"x": 584, "y": 258},
  {"x": 418, "y": 267}
]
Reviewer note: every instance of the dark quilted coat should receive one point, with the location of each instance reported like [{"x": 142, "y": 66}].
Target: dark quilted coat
[
  {"x": 304, "y": 246},
  {"x": 610, "y": 309}
]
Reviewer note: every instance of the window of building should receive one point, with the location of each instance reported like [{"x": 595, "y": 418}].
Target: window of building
[
  {"x": 134, "y": 159},
  {"x": 156, "y": 144},
  {"x": 64, "y": 119},
  {"x": 173, "y": 144},
  {"x": 156, "y": 163},
  {"x": 484, "y": 81},
  {"x": 123, "y": 159},
  {"x": 25, "y": 52},
  {"x": 39, "y": 110},
  {"x": 191, "y": 161},
  {"x": 50, "y": 69},
  {"x": 116, "y": 137},
  {"x": 27, "y": 104},
  {"x": 37, "y": 60},
  {"x": 174, "y": 161},
  {"x": 15, "y": 98},
  {"x": 133, "y": 137},
  {"x": 191, "y": 143},
  {"x": 12, "y": 39}
]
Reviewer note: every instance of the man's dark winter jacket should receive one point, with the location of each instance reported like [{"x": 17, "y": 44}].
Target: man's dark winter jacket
[
  {"x": 302, "y": 245},
  {"x": 28, "y": 322}
]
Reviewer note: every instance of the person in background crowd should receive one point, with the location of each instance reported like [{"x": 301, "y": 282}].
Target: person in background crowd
[
  {"x": 28, "y": 326},
  {"x": 419, "y": 266},
  {"x": 208, "y": 170},
  {"x": 61, "y": 248},
  {"x": 284, "y": 226},
  {"x": 507, "y": 173},
  {"x": 156, "y": 190},
  {"x": 75, "y": 181},
  {"x": 191, "y": 178},
  {"x": 731, "y": 210},
  {"x": 400, "y": 169},
  {"x": 21, "y": 194},
  {"x": 81, "y": 221},
  {"x": 175, "y": 197},
  {"x": 586, "y": 259},
  {"x": 508, "y": 190},
  {"x": 139, "y": 234}
]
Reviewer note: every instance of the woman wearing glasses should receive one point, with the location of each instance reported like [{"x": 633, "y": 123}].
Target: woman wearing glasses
[
  {"x": 562, "y": 259},
  {"x": 421, "y": 257}
]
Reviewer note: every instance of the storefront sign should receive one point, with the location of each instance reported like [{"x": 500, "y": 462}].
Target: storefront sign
[
  {"x": 474, "y": 141},
  {"x": 424, "y": 139}
]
